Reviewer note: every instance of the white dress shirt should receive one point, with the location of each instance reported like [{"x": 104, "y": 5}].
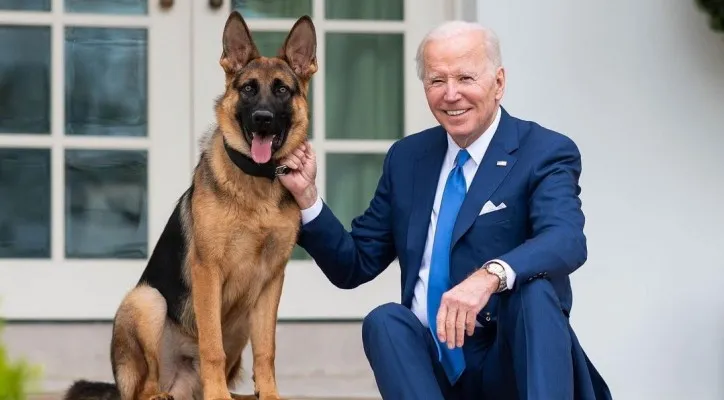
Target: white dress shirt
[{"x": 477, "y": 151}]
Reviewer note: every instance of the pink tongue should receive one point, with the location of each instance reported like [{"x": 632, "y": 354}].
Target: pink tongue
[{"x": 261, "y": 149}]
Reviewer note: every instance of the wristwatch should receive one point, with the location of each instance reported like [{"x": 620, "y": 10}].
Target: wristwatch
[{"x": 498, "y": 270}]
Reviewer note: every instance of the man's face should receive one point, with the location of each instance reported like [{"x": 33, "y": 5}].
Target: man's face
[{"x": 462, "y": 89}]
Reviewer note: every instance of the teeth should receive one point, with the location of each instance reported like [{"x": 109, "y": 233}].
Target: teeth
[{"x": 455, "y": 112}]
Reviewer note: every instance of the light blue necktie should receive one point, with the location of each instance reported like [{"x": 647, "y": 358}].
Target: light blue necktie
[{"x": 453, "y": 361}]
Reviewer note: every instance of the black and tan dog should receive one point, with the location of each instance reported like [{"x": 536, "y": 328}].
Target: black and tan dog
[{"x": 215, "y": 277}]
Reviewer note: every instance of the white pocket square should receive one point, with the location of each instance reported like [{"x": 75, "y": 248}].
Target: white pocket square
[{"x": 490, "y": 207}]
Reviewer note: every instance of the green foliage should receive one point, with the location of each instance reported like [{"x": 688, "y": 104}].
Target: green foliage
[
  {"x": 16, "y": 377},
  {"x": 715, "y": 9}
]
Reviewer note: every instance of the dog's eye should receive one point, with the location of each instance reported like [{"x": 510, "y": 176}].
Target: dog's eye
[
  {"x": 247, "y": 88},
  {"x": 282, "y": 89}
]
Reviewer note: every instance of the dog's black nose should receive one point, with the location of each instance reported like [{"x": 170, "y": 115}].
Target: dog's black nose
[{"x": 262, "y": 117}]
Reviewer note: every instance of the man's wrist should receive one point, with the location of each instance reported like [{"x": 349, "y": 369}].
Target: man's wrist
[
  {"x": 494, "y": 281},
  {"x": 491, "y": 281},
  {"x": 307, "y": 198}
]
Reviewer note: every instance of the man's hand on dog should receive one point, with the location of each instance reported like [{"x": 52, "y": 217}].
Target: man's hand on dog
[{"x": 300, "y": 180}]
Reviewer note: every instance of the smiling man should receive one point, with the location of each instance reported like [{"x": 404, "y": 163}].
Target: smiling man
[{"x": 483, "y": 213}]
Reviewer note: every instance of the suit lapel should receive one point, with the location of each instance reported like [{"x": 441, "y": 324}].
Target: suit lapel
[
  {"x": 424, "y": 184},
  {"x": 489, "y": 174}
]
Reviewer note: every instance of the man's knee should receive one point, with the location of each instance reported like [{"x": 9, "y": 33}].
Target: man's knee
[
  {"x": 383, "y": 318},
  {"x": 536, "y": 289},
  {"x": 382, "y": 315},
  {"x": 537, "y": 295},
  {"x": 532, "y": 318}
]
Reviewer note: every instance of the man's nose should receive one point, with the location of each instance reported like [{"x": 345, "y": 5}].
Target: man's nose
[{"x": 451, "y": 91}]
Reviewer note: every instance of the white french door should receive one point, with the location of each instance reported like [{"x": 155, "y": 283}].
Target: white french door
[
  {"x": 102, "y": 105},
  {"x": 94, "y": 148}
]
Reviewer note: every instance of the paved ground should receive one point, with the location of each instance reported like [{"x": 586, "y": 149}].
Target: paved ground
[
  {"x": 58, "y": 397},
  {"x": 328, "y": 364}
]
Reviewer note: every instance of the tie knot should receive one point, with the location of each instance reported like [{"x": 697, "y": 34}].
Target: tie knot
[{"x": 462, "y": 157}]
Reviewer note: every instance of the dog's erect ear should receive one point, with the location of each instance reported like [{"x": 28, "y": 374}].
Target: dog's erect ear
[
  {"x": 300, "y": 48},
  {"x": 238, "y": 47}
]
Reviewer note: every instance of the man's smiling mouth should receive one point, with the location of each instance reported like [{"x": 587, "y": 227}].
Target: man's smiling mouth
[{"x": 455, "y": 113}]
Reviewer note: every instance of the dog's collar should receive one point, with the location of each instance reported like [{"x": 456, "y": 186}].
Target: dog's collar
[{"x": 268, "y": 170}]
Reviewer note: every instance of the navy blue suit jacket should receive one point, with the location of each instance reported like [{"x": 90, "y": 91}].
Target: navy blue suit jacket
[{"x": 539, "y": 234}]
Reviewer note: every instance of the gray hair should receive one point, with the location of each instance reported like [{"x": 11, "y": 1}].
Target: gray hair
[{"x": 453, "y": 28}]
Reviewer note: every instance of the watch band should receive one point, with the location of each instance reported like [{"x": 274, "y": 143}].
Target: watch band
[{"x": 498, "y": 270}]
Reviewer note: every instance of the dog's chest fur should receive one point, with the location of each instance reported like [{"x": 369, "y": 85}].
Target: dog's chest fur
[
  {"x": 245, "y": 225},
  {"x": 257, "y": 242}
]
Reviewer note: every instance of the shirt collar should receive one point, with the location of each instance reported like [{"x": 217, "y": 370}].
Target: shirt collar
[{"x": 477, "y": 148}]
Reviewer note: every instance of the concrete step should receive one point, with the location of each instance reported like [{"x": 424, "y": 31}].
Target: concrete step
[
  {"x": 54, "y": 396},
  {"x": 314, "y": 360}
]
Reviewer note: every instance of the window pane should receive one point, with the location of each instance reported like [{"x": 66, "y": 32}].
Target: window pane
[
  {"x": 272, "y": 8},
  {"x": 106, "y": 91},
  {"x": 364, "y": 86},
  {"x": 351, "y": 183},
  {"x": 106, "y": 204},
  {"x": 107, "y": 6},
  {"x": 25, "y": 5},
  {"x": 24, "y": 203},
  {"x": 24, "y": 79},
  {"x": 268, "y": 44},
  {"x": 367, "y": 9}
]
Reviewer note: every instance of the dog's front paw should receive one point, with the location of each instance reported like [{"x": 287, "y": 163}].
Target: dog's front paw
[
  {"x": 244, "y": 396},
  {"x": 222, "y": 397},
  {"x": 219, "y": 395},
  {"x": 272, "y": 396},
  {"x": 161, "y": 396}
]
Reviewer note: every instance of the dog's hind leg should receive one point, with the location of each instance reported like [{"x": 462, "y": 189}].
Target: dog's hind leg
[
  {"x": 136, "y": 344},
  {"x": 263, "y": 338}
]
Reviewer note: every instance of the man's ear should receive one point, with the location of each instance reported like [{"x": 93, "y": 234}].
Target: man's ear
[
  {"x": 238, "y": 47},
  {"x": 300, "y": 48}
]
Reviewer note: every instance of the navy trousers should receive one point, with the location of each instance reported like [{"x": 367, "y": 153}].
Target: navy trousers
[{"x": 526, "y": 354}]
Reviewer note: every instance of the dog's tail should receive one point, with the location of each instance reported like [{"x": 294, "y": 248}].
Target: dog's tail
[{"x": 86, "y": 390}]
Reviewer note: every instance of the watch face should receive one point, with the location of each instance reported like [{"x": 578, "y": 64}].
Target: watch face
[{"x": 496, "y": 268}]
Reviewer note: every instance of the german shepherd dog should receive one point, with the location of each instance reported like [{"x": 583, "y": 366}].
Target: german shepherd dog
[{"x": 214, "y": 279}]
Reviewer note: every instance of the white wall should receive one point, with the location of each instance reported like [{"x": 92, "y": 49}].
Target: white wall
[{"x": 639, "y": 85}]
